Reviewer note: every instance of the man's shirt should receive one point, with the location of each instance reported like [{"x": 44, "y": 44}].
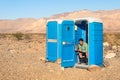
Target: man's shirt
[{"x": 84, "y": 47}]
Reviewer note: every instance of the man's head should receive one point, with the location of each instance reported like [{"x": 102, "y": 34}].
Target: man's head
[{"x": 81, "y": 41}]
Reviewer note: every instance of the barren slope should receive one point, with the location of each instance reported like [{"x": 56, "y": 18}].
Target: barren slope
[{"x": 110, "y": 19}]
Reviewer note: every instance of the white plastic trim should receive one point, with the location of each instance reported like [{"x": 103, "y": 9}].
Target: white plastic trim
[
  {"x": 58, "y": 20},
  {"x": 52, "y": 40}
]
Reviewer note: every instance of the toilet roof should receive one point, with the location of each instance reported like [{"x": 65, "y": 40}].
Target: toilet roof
[{"x": 58, "y": 20}]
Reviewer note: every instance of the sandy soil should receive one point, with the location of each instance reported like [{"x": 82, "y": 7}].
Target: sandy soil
[{"x": 20, "y": 60}]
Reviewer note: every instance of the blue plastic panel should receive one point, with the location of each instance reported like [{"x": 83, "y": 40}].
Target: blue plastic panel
[
  {"x": 96, "y": 43},
  {"x": 78, "y": 35},
  {"x": 59, "y": 40},
  {"x": 68, "y": 37},
  {"x": 52, "y": 30},
  {"x": 51, "y": 49}
]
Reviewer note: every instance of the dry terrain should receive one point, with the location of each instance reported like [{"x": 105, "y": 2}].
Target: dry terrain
[{"x": 20, "y": 60}]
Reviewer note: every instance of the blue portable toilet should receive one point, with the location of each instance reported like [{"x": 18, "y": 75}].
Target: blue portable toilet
[
  {"x": 91, "y": 30},
  {"x": 63, "y": 36}
]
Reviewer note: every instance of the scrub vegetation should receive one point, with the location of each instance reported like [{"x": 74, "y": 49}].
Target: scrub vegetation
[{"x": 112, "y": 38}]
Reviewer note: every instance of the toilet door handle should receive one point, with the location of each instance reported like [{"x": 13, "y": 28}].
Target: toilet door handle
[{"x": 64, "y": 43}]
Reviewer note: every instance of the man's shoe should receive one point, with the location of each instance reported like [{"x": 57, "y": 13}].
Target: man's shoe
[
  {"x": 80, "y": 63},
  {"x": 86, "y": 63}
]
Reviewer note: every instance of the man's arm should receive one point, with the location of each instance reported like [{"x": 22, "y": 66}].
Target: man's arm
[
  {"x": 79, "y": 49},
  {"x": 86, "y": 50}
]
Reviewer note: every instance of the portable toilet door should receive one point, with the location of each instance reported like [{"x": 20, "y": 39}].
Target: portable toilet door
[
  {"x": 96, "y": 42},
  {"x": 68, "y": 41},
  {"x": 53, "y": 40}
]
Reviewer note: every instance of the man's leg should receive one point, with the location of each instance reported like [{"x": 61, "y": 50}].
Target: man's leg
[
  {"x": 86, "y": 55},
  {"x": 86, "y": 58},
  {"x": 80, "y": 57},
  {"x": 80, "y": 54}
]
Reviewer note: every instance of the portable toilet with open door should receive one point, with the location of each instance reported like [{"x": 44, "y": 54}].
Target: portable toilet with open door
[{"x": 91, "y": 31}]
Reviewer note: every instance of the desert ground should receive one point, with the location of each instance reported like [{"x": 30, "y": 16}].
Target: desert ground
[{"x": 20, "y": 59}]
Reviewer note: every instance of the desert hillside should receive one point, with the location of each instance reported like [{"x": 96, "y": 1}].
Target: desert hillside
[{"x": 110, "y": 18}]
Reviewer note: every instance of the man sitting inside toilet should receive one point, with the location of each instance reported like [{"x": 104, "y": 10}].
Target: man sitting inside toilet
[{"x": 83, "y": 51}]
